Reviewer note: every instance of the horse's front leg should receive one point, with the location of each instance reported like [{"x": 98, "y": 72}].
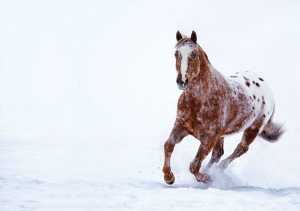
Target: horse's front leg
[
  {"x": 177, "y": 134},
  {"x": 217, "y": 153},
  {"x": 207, "y": 144}
]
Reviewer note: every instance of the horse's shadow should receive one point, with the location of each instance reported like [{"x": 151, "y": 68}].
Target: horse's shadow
[
  {"x": 235, "y": 188},
  {"x": 271, "y": 191},
  {"x": 230, "y": 182}
]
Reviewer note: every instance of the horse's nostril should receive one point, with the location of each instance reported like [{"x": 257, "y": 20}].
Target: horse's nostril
[{"x": 185, "y": 82}]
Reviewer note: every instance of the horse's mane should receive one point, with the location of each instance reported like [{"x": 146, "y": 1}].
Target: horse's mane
[{"x": 205, "y": 55}]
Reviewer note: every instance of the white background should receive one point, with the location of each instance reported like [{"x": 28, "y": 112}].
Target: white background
[{"x": 88, "y": 97}]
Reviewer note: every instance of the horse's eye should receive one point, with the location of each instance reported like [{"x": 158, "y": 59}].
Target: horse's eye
[
  {"x": 193, "y": 55},
  {"x": 176, "y": 54}
]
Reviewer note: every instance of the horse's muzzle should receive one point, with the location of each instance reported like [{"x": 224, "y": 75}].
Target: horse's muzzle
[{"x": 182, "y": 85}]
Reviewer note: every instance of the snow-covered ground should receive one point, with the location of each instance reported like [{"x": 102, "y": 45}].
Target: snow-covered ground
[
  {"x": 88, "y": 97},
  {"x": 95, "y": 175}
]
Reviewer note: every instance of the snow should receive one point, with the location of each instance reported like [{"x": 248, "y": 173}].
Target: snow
[
  {"x": 83, "y": 115},
  {"x": 85, "y": 176}
]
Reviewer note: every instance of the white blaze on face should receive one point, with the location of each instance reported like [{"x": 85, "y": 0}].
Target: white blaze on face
[{"x": 185, "y": 51}]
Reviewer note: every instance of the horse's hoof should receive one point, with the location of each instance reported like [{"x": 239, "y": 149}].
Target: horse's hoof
[
  {"x": 205, "y": 178},
  {"x": 169, "y": 178}
]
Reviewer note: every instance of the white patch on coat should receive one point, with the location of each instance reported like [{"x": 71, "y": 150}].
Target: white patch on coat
[
  {"x": 260, "y": 90},
  {"x": 185, "y": 51}
]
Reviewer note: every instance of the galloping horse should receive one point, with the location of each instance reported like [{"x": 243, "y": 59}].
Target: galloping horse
[{"x": 213, "y": 106}]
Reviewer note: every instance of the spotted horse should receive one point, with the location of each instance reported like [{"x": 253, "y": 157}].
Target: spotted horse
[{"x": 213, "y": 106}]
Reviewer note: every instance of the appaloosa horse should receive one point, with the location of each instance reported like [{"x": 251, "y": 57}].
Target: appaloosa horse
[{"x": 213, "y": 106}]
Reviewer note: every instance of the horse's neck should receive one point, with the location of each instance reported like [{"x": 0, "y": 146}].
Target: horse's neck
[{"x": 207, "y": 81}]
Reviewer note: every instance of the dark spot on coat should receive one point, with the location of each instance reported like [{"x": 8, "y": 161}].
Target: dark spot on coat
[
  {"x": 253, "y": 107},
  {"x": 263, "y": 100},
  {"x": 253, "y": 82},
  {"x": 261, "y": 79},
  {"x": 247, "y": 83},
  {"x": 246, "y": 78},
  {"x": 264, "y": 116},
  {"x": 233, "y": 76},
  {"x": 257, "y": 99},
  {"x": 234, "y": 92},
  {"x": 254, "y": 97},
  {"x": 257, "y": 84}
]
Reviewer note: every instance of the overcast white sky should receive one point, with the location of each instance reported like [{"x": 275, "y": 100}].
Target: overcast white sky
[{"x": 77, "y": 69}]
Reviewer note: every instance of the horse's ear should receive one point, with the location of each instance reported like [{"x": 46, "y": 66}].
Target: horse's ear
[
  {"x": 194, "y": 37},
  {"x": 178, "y": 36}
]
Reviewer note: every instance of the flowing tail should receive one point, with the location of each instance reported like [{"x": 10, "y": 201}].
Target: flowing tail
[{"x": 272, "y": 131}]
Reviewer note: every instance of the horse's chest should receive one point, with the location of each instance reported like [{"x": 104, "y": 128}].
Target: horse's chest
[{"x": 204, "y": 118}]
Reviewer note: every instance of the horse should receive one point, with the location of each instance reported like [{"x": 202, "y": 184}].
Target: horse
[{"x": 213, "y": 106}]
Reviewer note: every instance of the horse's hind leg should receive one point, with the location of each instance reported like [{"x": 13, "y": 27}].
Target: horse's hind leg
[
  {"x": 177, "y": 134},
  {"x": 248, "y": 137},
  {"x": 217, "y": 153}
]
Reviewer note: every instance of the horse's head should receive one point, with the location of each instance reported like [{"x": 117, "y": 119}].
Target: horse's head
[{"x": 188, "y": 55}]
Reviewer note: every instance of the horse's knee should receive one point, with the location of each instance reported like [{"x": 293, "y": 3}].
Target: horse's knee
[
  {"x": 169, "y": 146},
  {"x": 218, "y": 153}
]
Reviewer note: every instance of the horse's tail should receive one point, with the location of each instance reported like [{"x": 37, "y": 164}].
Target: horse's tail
[{"x": 272, "y": 131}]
